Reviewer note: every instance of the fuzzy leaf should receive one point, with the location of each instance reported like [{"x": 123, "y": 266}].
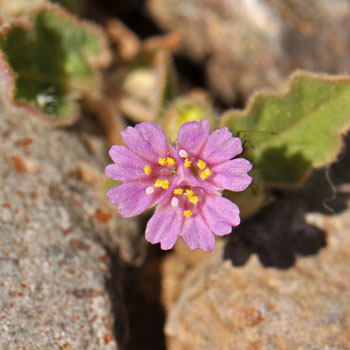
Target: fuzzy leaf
[
  {"x": 52, "y": 59},
  {"x": 290, "y": 133}
]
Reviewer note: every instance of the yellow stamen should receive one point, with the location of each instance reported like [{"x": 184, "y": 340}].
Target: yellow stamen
[
  {"x": 205, "y": 173},
  {"x": 187, "y": 213},
  {"x": 189, "y": 193},
  {"x": 201, "y": 164},
  {"x": 194, "y": 200},
  {"x": 158, "y": 183},
  {"x": 147, "y": 169},
  {"x": 178, "y": 191},
  {"x": 187, "y": 163},
  {"x": 162, "y": 184},
  {"x": 170, "y": 161},
  {"x": 162, "y": 161}
]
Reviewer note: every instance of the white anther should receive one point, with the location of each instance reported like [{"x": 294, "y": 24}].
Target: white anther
[
  {"x": 174, "y": 202},
  {"x": 183, "y": 153},
  {"x": 149, "y": 190}
]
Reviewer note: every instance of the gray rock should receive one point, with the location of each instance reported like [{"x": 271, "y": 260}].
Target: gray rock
[
  {"x": 57, "y": 236},
  {"x": 245, "y": 45},
  {"x": 280, "y": 281}
]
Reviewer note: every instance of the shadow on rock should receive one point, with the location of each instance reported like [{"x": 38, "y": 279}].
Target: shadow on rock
[
  {"x": 146, "y": 313},
  {"x": 138, "y": 301},
  {"x": 117, "y": 297},
  {"x": 279, "y": 233}
]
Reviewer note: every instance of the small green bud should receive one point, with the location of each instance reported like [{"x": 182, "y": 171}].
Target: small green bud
[{"x": 186, "y": 109}]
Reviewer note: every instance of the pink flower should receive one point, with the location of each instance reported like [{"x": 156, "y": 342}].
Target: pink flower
[{"x": 184, "y": 182}]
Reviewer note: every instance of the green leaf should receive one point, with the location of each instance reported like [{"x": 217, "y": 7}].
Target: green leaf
[
  {"x": 54, "y": 60},
  {"x": 108, "y": 184},
  {"x": 288, "y": 134}
]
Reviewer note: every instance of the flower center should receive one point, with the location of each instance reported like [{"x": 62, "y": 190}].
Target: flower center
[
  {"x": 161, "y": 173},
  {"x": 187, "y": 196},
  {"x": 197, "y": 166}
]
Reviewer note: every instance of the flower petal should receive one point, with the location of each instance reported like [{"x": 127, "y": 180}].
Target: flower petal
[
  {"x": 146, "y": 140},
  {"x": 192, "y": 136},
  {"x": 232, "y": 175},
  {"x": 164, "y": 227},
  {"x": 221, "y": 146},
  {"x": 197, "y": 234},
  {"x": 128, "y": 166},
  {"x": 130, "y": 198},
  {"x": 220, "y": 215}
]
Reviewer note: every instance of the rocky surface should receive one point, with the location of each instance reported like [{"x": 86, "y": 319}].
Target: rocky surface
[
  {"x": 245, "y": 45},
  {"x": 57, "y": 239},
  {"x": 281, "y": 281}
]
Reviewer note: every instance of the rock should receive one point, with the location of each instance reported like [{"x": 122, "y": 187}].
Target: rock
[
  {"x": 58, "y": 288},
  {"x": 246, "y": 45},
  {"x": 280, "y": 281}
]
